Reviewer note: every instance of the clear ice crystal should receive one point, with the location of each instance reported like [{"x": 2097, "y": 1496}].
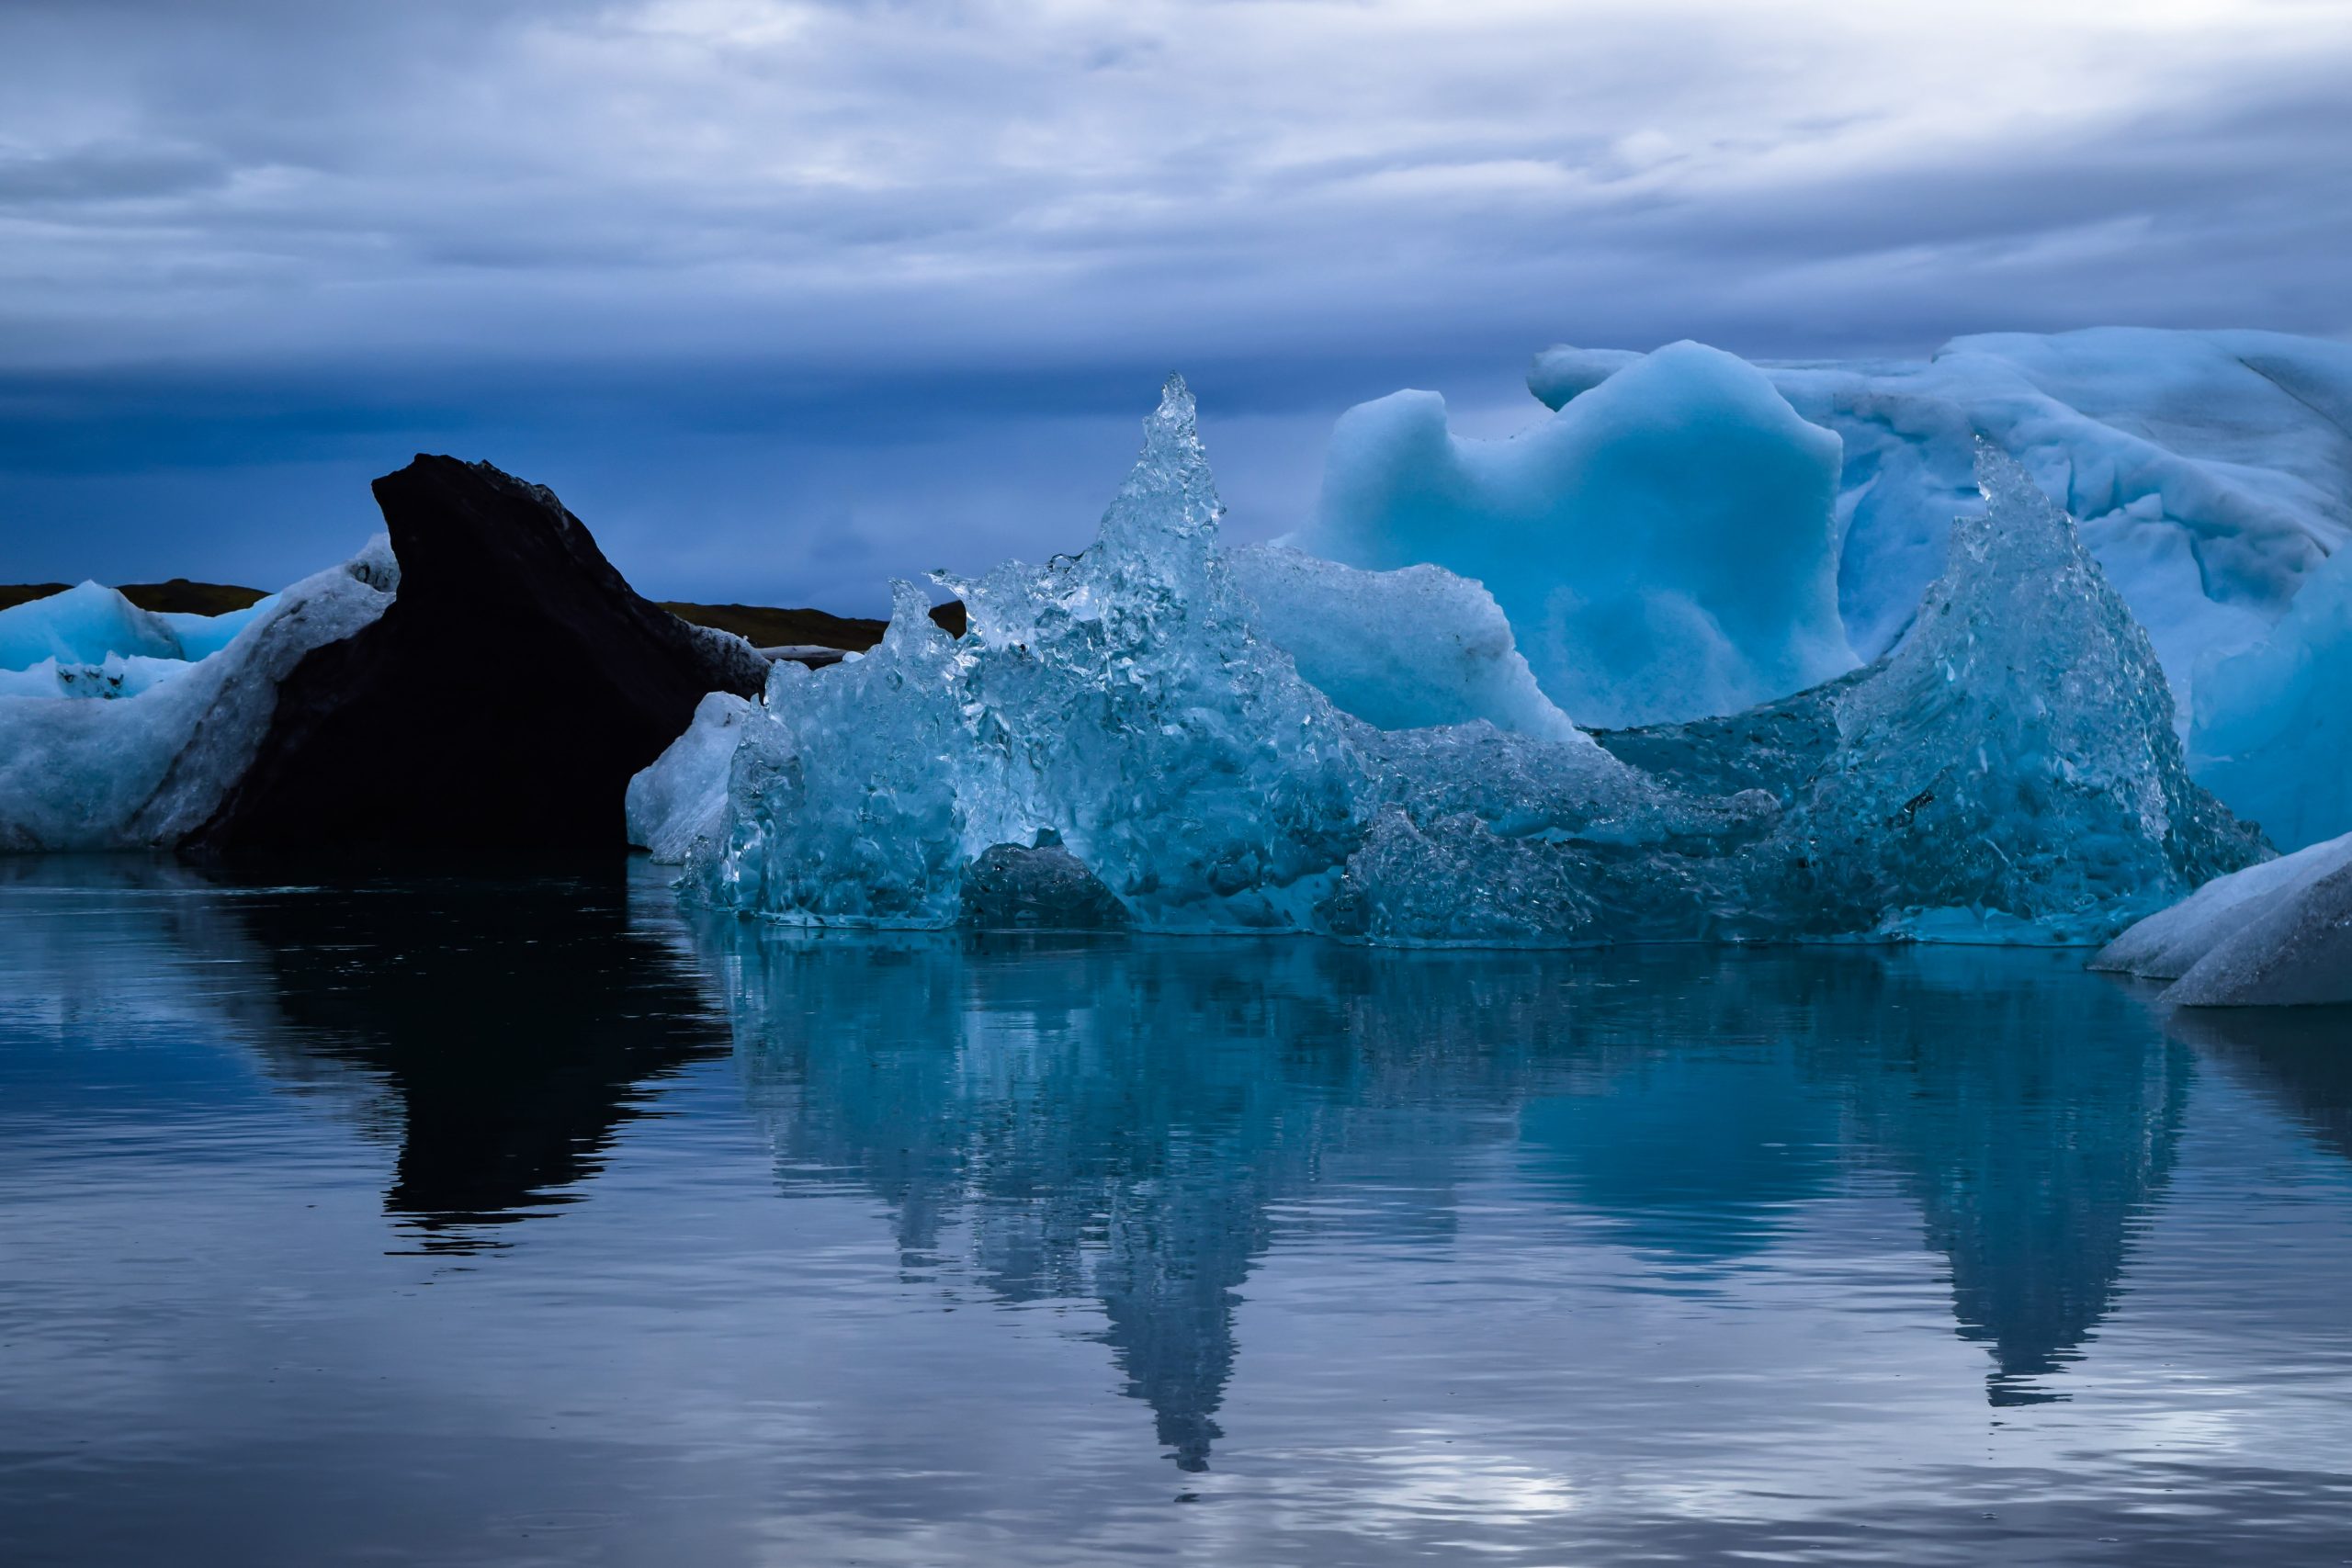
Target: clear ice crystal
[{"x": 1117, "y": 699}]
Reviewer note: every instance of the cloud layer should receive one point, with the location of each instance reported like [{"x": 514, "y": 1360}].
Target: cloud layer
[{"x": 797, "y": 294}]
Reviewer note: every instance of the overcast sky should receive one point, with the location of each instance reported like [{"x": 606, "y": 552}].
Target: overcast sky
[{"x": 787, "y": 297}]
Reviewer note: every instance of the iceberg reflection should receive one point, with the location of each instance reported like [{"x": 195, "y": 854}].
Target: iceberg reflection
[{"x": 1140, "y": 1122}]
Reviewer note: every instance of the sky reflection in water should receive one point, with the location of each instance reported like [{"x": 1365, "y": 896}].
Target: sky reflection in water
[{"x": 507, "y": 1222}]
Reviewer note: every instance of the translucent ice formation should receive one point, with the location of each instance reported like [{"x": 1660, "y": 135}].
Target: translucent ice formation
[
  {"x": 2008, "y": 773},
  {"x": 2211, "y": 470},
  {"x": 1664, "y": 546},
  {"x": 1398, "y": 649},
  {"x": 1117, "y": 701},
  {"x": 147, "y": 770},
  {"x": 2273, "y": 727},
  {"x": 2272, "y": 935},
  {"x": 90, "y": 641},
  {"x": 1115, "y": 740},
  {"x": 82, "y": 625},
  {"x": 201, "y": 636}
]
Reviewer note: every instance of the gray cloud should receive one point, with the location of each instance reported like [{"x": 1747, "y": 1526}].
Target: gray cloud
[{"x": 759, "y": 223}]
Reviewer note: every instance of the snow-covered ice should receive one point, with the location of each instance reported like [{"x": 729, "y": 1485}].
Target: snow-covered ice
[
  {"x": 1118, "y": 723},
  {"x": 2274, "y": 934},
  {"x": 147, "y": 769},
  {"x": 1398, "y": 649},
  {"x": 2272, "y": 733},
  {"x": 1664, "y": 546}
]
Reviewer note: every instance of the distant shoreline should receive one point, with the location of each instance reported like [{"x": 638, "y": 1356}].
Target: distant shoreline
[{"x": 762, "y": 626}]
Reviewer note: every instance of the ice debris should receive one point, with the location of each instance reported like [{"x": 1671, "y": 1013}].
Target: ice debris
[
  {"x": 146, "y": 769},
  {"x": 113, "y": 676},
  {"x": 2274, "y": 934},
  {"x": 1118, "y": 719},
  {"x": 2272, "y": 732},
  {"x": 1664, "y": 546}
]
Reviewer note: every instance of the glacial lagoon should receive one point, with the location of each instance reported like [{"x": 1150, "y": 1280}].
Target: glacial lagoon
[{"x": 544, "y": 1220}]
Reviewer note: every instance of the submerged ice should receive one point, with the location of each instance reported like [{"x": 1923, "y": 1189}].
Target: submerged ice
[{"x": 1125, "y": 736}]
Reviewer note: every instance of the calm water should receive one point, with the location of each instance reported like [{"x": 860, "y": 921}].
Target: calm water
[{"x": 537, "y": 1223}]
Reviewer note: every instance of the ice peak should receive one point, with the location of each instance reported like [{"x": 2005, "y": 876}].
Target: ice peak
[
  {"x": 910, "y": 623},
  {"x": 1170, "y": 489}
]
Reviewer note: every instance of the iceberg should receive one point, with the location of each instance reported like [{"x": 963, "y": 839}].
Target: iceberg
[
  {"x": 2008, "y": 772},
  {"x": 2272, "y": 729},
  {"x": 1118, "y": 739},
  {"x": 2274, "y": 934},
  {"x": 150, "y": 768},
  {"x": 92, "y": 641},
  {"x": 1399, "y": 650},
  {"x": 1664, "y": 546},
  {"x": 2211, "y": 470},
  {"x": 84, "y": 626}
]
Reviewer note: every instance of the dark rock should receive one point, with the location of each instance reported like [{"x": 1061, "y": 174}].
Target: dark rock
[
  {"x": 770, "y": 627},
  {"x": 174, "y": 595},
  {"x": 501, "y": 704},
  {"x": 178, "y": 596},
  {"x": 15, "y": 593},
  {"x": 1042, "y": 887}
]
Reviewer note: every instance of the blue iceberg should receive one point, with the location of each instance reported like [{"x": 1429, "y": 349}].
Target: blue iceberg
[
  {"x": 149, "y": 768},
  {"x": 1664, "y": 546},
  {"x": 1118, "y": 735},
  {"x": 2272, "y": 731}
]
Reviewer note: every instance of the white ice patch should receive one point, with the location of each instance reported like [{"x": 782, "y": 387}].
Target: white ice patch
[
  {"x": 2277, "y": 934},
  {"x": 681, "y": 798}
]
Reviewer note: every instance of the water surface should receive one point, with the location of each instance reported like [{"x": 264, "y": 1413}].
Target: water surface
[{"x": 535, "y": 1220}]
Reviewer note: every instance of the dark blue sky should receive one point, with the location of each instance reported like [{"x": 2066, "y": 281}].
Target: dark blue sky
[{"x": 785, "y": 299}]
